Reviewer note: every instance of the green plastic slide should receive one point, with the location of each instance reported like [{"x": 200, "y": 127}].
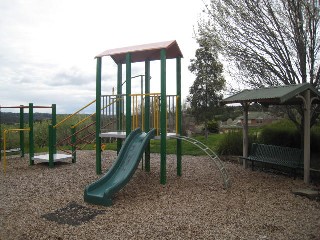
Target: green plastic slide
[{"x": 101, "y": 191}]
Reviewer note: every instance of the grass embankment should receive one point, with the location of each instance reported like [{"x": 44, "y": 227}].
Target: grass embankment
[{"x": 187, "y": 148}]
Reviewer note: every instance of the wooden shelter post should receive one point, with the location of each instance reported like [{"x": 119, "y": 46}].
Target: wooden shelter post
[
  {"x": 306, "y": 139},
  {"x": 245, "y": 133}
]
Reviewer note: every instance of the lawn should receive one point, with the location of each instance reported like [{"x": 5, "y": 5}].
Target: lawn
[{"x": 187, "y": 148}]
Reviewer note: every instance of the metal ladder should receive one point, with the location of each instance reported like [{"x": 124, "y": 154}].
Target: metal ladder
[{"x": 220, "y": 165}]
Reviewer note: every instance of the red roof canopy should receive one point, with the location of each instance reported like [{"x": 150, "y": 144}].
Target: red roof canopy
[{"x": 144, "y": 52}]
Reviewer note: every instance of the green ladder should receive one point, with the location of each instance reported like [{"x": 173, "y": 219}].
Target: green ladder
[{"x": 217, "y": 161}]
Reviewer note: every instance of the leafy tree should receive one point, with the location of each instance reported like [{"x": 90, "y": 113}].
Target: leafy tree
[
  {"x": 206, "y": 89},
  {"x": 269, "y": 42}
]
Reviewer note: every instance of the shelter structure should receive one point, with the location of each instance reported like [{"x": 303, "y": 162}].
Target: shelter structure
[
  {"x": 126, "y": 56},
  {"x": 299, "y": 94}
]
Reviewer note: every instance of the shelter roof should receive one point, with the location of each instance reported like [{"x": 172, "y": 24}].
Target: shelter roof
[
  {"x": 286, "y": 94},
  {"x": 140, "y": 53}
]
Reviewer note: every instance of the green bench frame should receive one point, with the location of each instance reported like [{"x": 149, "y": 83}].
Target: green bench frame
[{"x": 275, "y": 155}]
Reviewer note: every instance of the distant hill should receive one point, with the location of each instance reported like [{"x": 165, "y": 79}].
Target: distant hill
[{"x": 12, "y": 118}]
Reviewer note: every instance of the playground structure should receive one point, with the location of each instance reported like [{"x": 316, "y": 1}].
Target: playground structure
[
  {"x": 22, "y": 129},
  {"x": 135, "y": 117},
  {"x": 53, "y": 143},
  {"x": 156, "y": 114},
  {"x": 126, "y": 105}
]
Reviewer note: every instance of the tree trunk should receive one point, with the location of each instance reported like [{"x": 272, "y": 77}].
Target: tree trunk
[{"x": 206, "y": 129}]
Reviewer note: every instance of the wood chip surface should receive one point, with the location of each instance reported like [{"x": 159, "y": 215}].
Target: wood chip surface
[{"x": 258, "y": 205}]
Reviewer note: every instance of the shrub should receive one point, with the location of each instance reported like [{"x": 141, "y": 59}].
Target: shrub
[
  {"x": 232, "y": 143},
  {"x": 315, "y": 139},
  {"x": 213, "y": 126},
  {"x": 283, "y": 133}
]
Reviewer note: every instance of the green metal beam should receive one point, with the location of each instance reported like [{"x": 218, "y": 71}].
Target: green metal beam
[
  {"x": 147, "y": 112},
  {"x": 54, "y": 122},
  {"x": 98, "y": 115},
  {"x": 31, "y": 140},
  {"x": 128, "y": 93},
  {"x": 118, "y": 105},
  {"x": 178, "y": 108},
  {"x": 163, "y": 116},
  {"x": 22, "y": 132}
]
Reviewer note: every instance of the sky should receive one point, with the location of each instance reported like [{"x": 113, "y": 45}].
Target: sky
[{"x": 47, "y": 47}]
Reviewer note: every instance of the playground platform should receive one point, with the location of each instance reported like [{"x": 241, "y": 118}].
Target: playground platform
[
  {"x": 122, "y": 135},
  {"x": 59, "y": 157}
]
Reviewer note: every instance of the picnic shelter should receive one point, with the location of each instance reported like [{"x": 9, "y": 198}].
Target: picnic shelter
[{"x": 298, "y": 94}]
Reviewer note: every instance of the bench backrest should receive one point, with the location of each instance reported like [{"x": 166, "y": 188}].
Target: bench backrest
[{"x": 284, "y": 155}]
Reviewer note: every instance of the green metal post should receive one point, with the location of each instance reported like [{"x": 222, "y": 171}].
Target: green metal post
[
  {"x": 31, "y": 140},
  {"x": 51, "y": 146},
  {"x": 21, "y": 132},
  {"x": 163, "y": 116},
  {"x": 178, "y": 109},
  {"x": 54, "y": 122},
  {"x": 128, "y": 93},
  {"x": 98, "y": 115},
  {"x": 119, "y": 107},
  {"x": 147, "y": 112},
  {"x": 0, "y": 139},
  {"x": 73, "y": 142}
]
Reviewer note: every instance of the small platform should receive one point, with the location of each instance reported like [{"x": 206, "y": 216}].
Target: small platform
[
  {"x": 59, "y": 157},
  {"x": 309, "y": 193},
  {"x": 169, "y": 135},
  {"x": 13, "y": 150},
  {"x": 113, "y": 135},
  {"x": 122, "y": 135}
]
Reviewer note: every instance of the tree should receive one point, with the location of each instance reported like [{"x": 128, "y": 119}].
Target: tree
[
  {"x": 206, "y": 89},
  {"x": 269, "y": 42}
]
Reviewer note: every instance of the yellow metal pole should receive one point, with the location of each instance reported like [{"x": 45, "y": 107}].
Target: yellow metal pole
[
  {"x": 167, "y": 120},
  {"x": 153, "y": 113},
  {"x": 18, "y": 129},
  {"x": 157, "y": 114},
  {"x": 142, "y": 114},
  {"x": 4, "y": 151},
  {"x": 86, "y": 118},
  {"x": 177, "y": 109},
  {"x": 70, "y": 116},
  {"x": 137, "y": 113},
  {"x": 133, "y": 108}
]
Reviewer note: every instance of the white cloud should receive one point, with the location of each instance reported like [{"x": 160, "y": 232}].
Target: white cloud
[{"x": 48, "y": 46}]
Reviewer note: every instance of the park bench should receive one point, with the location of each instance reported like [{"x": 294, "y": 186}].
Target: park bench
[{"x": 276, "y": 155}]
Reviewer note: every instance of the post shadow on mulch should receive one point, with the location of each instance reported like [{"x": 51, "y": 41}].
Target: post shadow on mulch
[{"x": 73, "y": 214}]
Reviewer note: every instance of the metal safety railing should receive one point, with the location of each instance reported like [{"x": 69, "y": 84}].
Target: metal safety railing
[
  {"x": 72, "y": 139},
  {"x": 116, "y": 111}
]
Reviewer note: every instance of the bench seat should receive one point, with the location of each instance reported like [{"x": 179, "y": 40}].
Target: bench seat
[{"x": 276, "y": 155}]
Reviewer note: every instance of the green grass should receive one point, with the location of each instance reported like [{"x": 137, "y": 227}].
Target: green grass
[{"x": 187, "y": 148}]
